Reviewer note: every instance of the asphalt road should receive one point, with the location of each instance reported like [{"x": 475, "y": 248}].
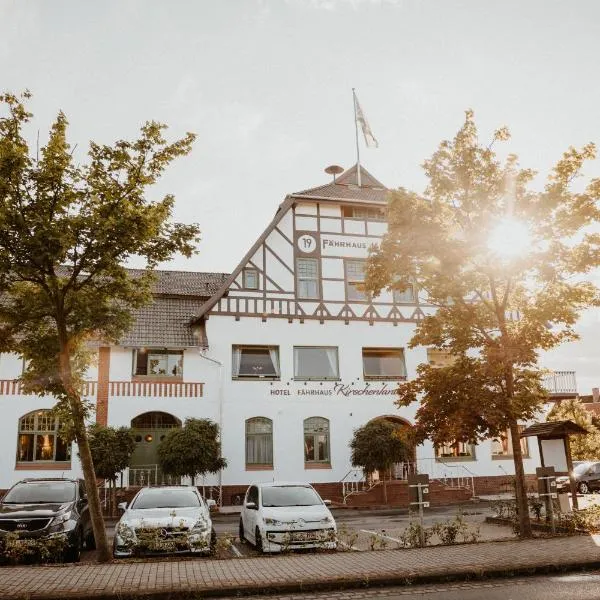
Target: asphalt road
[{"x": 573, "y": 586}]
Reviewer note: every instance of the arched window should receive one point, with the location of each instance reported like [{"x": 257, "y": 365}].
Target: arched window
[
  {"x": 155, "y": 420},
  {"x": 39, "y": 440},
  {"x": 316, "y": 440},
  {"x": 259, "y": 442}
]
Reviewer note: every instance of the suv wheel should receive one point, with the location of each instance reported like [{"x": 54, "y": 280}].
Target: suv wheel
[
  {"x": 583, "y": 487},
  {"x": 73, "y": 553}
]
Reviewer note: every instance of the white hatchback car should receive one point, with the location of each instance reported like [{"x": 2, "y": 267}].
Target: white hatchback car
[
  {"x": 165, "y": 520},
  {"x": 286, "y": 516}
]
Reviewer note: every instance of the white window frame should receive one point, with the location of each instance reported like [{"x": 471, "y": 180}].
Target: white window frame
[
  {"x": 350, "y": 281},
  {"x": 314, "y": 433},
  {"x": 398, "y": 300},
  {"x": 158, "y": 352},
  {"x": 506, "y": 448},
  {"x": 236, "y": 357},
  {"x": 245, "y": 272},
  {"x": 456, "y": 451},
  {"x": 381, "y": 350},
  {"x": 300, "y": 278},
  {"x": 334, "y": 377},
  {"x": 268, "y": 436},
  {"x": 36, "y": 430}
]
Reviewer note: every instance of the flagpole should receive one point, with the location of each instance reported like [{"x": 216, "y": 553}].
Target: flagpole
[{"x": 358, "y": 181}]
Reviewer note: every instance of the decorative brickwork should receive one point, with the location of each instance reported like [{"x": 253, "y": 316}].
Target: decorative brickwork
[{"x": 103, "y": 375}]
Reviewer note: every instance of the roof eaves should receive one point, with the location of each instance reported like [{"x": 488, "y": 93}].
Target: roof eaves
[{"x": 331, "y": 199}]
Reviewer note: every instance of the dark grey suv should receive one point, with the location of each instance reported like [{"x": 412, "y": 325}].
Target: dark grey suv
[
  {"x": 586, "y": 475},
  {"x": 37, "y": 508}
]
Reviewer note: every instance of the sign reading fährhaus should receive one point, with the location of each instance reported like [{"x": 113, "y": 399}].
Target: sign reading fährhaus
[{"x": 340, "y": 389}]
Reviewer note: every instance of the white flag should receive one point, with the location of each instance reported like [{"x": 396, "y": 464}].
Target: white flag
[{"x": 370, "y": 140}]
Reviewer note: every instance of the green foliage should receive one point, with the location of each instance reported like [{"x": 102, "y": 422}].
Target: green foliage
[
  {"x": 496, "y": 309},
  {"x": 416, "y": 535},
  {"x": 583, "y": 447},
  {"x": 494, "y": 312},
  {"x": 150, "y": 540},
  {"x": 377, "y": 446},
  {"x": 17, "y": 550},
  {"x": 111, "y": 448},
  {"x": 192, "y": 450},
  {"x": 456, "y": 530},
  {"x": 67, "y": 229}
]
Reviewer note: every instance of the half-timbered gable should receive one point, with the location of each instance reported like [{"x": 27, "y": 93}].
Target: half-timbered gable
[{"x": 309, "y": 263}]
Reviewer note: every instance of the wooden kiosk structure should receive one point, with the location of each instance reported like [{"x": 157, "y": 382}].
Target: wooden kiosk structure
[{"x": 553, "y": 437}]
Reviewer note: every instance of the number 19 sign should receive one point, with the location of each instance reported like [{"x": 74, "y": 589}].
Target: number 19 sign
[{"x": 307, "y": 243}]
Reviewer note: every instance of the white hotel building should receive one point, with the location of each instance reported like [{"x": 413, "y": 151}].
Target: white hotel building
[{"x": 285, "y": 353}]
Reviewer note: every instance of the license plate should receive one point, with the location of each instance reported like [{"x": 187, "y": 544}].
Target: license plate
[{"x": 306, "y": 536}]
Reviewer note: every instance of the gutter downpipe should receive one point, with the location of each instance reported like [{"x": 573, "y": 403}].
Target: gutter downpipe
[{"x": 221, "y": 386}]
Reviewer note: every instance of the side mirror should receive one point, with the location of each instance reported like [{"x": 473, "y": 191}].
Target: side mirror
[
  {"x": 327, "y": 502},
  {"x": 84, "y": 497},
  {"x": 211, "y": 503},
  {"x": 122, "y": 506},
  {"x": 251, "y": 505}
]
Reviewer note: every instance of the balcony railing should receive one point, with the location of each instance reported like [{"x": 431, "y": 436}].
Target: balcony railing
[
  {"x": 13, "y": 387},
  {"x": 163, "y": 389},
  {"x": 560, "y": 382}
]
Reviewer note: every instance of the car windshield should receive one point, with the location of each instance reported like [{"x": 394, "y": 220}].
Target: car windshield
[
  {"x": 290, "y": 495},
  {"x": 41, "y": 492},
  {"x": 166, "y": 499}
]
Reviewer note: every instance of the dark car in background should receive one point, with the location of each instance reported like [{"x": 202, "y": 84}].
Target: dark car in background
[
  {"x": 43, "y": 508},
  {"x": 587, "y": 478}
]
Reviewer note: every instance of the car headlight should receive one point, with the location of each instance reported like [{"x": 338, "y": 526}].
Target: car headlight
[
  {"x": 124, "y": 531},
  {"x": 201, "y": 525},
  {"x": 62, "y": 518},
  {"x": 269, "y": 521},
  {"x": 326, "y": 520}
]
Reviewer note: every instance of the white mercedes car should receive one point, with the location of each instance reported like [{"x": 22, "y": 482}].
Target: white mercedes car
[
  {"x": 164, "y": 520},
  {"x": 286, "y": 516}
]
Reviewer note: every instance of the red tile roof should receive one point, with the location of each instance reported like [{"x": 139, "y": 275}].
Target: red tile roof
[{"x": 346, "y": 188}]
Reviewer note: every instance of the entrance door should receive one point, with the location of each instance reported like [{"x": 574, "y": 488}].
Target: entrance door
[{"x": 149, "y": 429}]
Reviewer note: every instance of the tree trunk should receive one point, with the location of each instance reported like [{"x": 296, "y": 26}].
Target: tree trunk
[
  {"x": 384, "y": 489},
  {"x": 85, "y": 455},
  {"x": 520, "y": 490},
  {"x": 113, "y": 498}
]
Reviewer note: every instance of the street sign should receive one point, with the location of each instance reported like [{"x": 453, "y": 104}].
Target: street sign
[{"x": 418, "y": 490}]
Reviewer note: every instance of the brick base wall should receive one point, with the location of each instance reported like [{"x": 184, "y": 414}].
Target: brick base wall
[{"x": 397, "y": 492}]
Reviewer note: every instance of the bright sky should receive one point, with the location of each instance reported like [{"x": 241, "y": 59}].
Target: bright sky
[{"x": 266, "y": 85}]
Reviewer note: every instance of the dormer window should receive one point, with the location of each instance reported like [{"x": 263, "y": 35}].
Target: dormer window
[{"x": 250, "y": 279}]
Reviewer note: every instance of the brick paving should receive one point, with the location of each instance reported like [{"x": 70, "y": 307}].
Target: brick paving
[{"x": 293, "y": 572}]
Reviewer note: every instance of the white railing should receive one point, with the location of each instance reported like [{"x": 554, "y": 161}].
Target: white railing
[
  {"x": 145, "y": 475},
  {"x": 13, "y": 387},
  {"x": 560, "y": 382},
  {"x": 456, "y": 476},
  {"x": 157, "y": 389},
  {"x": 353, "y": 482}
]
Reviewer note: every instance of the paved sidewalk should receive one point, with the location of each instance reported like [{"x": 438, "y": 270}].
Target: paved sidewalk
[{"x": 295, "y": 572}]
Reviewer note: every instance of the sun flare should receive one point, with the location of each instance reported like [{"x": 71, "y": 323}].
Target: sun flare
[{"x": 509, "y": 239}]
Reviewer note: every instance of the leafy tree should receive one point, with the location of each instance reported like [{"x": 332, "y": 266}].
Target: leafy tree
[
  {"x": 66, "y": 230},
  {"x": 192, "y": 450},
  {"x": 583, "y": 447},
  {"x": 111, "y": 449},
  {"x": 377, "y": 446},
  {"x": 502, "y": 267}
]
